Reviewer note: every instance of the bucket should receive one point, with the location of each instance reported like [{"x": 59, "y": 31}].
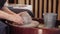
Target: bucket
[{"x": 49, "y": 20}]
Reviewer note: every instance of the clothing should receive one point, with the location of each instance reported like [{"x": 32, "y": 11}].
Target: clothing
[
  {"x": 2, "y": 2},
  {"x": 3, "y": 26},
  {"x": 22, "y": 10}
]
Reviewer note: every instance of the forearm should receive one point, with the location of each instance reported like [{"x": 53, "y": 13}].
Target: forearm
[
  {"x": 10, "y": 17},
  {"x": 5, "y": 9},
  {"x": 4, "y": 15}
]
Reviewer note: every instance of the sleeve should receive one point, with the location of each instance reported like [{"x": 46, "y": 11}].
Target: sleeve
[{"x": 2, "y": 2}]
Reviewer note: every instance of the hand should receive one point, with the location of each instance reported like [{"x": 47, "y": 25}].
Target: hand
[{"x": 16, "y": 19}]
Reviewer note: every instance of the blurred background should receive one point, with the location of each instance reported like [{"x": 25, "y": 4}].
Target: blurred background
[{"x": 40, "y": 6}]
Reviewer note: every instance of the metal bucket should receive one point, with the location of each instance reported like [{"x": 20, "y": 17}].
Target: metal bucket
[{"x": 49, "y": 20}]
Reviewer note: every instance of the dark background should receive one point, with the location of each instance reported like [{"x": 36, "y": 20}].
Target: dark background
[{"x": 12, "y": 1}]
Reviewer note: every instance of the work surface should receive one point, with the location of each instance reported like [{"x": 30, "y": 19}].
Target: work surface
[{"x": 23, "y": 30}]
